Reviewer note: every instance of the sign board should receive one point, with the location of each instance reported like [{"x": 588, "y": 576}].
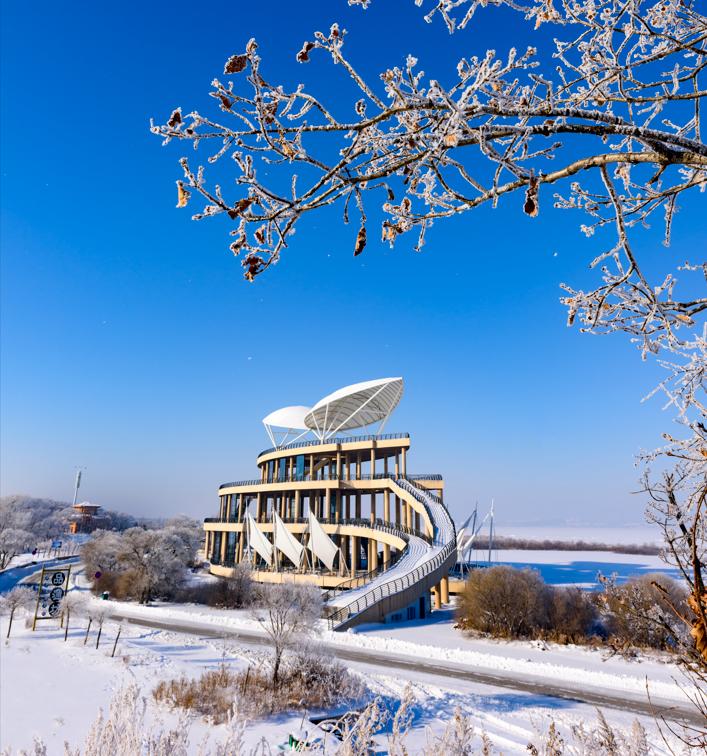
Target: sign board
[
  {"x": 56, "y": 544},
  {"x": 53, "y": 585}
]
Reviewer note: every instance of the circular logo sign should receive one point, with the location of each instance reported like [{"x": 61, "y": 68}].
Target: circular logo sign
[
  {"x": 58, "y": 578},
  {"x": 53, "y": 609},
  {"x": 57, "y": 594},
  {"x": 97, "y": 575}
]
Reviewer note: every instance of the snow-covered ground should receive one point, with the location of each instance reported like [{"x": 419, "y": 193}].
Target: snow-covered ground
[{"x": 53, "y": 689}]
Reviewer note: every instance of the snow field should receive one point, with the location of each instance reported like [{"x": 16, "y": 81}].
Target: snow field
[{"x": 53, "y": 689}]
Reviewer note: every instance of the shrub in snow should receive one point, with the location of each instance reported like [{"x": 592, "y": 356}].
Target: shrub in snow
[
  {"x": 572, "y": 617},
  {"x": 233, "y": 592},
  {"x": 637, "y": 614},
  {"x": 287, "y": 612},
  {"x": 20, "y": 598},
  {"x": 504, "y": 602},
  {"x": 309, "y": 678}
]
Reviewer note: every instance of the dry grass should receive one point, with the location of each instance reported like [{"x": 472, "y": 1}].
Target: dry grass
[{"x": 311, "y": 676}]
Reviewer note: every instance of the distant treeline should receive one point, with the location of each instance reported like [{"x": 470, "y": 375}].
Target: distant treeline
[{"x": 525, "y": 544}]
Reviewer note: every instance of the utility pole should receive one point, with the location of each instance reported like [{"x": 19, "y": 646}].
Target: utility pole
[{"x": 78, "y": 483}]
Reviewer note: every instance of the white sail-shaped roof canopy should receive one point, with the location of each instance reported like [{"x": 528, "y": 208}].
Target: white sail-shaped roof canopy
[
  {"x": 286, "y": 542},
  {"x": 291, "y": 418},
  {"x": 320, "y": 544},
  {"x": 257, "y": 540},
  {"x": 356, "y": 406}
]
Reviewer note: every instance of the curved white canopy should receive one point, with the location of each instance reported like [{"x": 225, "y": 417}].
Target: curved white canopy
[
  {"x": 288, "y": 417},
  {"x": 355, "y": 406}
]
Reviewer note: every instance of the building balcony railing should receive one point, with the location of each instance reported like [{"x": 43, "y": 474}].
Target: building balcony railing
[
  {"x": 305, "y": 477},
  {"x": 347, "y": 440},
  {"x": 402, "y": 531}
]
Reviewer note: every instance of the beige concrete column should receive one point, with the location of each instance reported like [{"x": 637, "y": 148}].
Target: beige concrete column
[
  {"x": 398, "y": 518},
  {"x": 440, "y": 491},
  {"x": 338, "y": 464},
  {"x": 445, "y": 590},
  {"x": 374, "y": 546},
  {"x": 258, "y": 511},
  {"x": 207, "y": 545},
  {"x": 311, "y": 466},
  {"x": 358, "y": 465},
  {"x": 223, "y": 547},
  {"x": 386, "y": 505},
  {"x": 386, "y": 552},
  {"x": 337, "y": 497},
  {"x": 404, "y": 472},
  {"x": 348, "y": 466},
  {"x": 397, "y": 463},
  {"x": 239, "y": 548},
  {"x": 438, "y": 597},
  {"x": 355, "y": 553},
  {"x": 373, "y": 463},
  {"x": 373, "y": 506},
  {"x": 298, "y": 504},
  {"x": 417, "y": 521}
]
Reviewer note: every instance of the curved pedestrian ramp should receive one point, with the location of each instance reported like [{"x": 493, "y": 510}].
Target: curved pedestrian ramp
[{"x": 424, "y": 564}]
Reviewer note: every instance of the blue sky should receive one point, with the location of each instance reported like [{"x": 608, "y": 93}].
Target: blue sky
[{"x": 132, "y": 346}]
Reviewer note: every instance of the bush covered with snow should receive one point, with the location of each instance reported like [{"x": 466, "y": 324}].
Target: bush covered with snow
[{"x": 310, "y": 677}]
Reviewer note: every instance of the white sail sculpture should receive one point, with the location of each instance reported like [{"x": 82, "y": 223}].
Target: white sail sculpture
[
  {"x": 286, "y": 542},
  {"x": 320, "y": 544},
  {"x": 460, "y": 536},
  {"x": 258, "y": 541}
]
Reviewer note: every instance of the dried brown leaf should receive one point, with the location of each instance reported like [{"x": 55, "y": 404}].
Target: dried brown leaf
[
  {"x": 303, "y": 54},
  {"x": 235, "y": 64},
  {"x": 182, "y": 195},
  {"x": 532, "y": 198},
  {"x": 175, "y": 118},
  {"x": 239, "y": 208},
  {"x": 360, "y": 241}
]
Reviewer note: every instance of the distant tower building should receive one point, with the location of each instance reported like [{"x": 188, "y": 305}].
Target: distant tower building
[{"x": 86, "y": 518}]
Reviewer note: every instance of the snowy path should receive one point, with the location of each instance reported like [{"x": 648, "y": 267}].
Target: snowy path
[{"x": 619, "y": 692}]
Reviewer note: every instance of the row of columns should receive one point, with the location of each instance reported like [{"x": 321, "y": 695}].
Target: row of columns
[
  {"x": 351, "y": 546},
  {"x": 285, "y": 467},
  {"x": 327, "y": 504}
]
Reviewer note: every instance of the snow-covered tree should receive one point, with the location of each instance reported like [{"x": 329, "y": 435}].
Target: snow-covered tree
[
  {"x": 288, "y": 612},
  {"x": 17, "y": 598},
  {"x": 190, "y": 532},
  {"x": 13, "y": 542},
  {"x": 100, "y": 552},
  {"x": 153, "y": 560},
  {"x": 74, "y": 605}
]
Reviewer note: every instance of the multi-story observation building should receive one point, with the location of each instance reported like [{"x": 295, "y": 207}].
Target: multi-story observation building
[{"x": 341, "y": 510}]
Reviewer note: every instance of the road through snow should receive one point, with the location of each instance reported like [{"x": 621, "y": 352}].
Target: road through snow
[{"x": 435, "y": 672}]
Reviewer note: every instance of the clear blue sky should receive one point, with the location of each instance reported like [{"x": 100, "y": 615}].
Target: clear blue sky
[{"x": 132, "y": 346}]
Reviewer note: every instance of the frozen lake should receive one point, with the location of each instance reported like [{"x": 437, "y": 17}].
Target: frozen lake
[{"x": 577, "y": 567}]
